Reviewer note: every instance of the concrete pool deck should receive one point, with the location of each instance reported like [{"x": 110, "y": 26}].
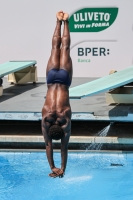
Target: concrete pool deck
[
  {"x": 73, "y": 139},
  {"x": 24, "y": 102}
]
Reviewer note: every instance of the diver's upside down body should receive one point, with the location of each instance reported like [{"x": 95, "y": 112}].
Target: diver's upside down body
[{"x": 56, "y": 112}]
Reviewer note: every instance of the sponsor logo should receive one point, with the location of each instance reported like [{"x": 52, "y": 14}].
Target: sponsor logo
[
  {"x": 92, "y": 19},
  {"x": 86, "y": 52},
  {"x": 95, "y": 51}
]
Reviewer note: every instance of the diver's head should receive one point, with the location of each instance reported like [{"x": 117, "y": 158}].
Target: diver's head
[{"x": 56, "y": 132}]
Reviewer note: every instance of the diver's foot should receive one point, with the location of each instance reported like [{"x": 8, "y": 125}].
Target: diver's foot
[
  {"x": 65, "y": 16},
  {"x": 59, "y": 15}
]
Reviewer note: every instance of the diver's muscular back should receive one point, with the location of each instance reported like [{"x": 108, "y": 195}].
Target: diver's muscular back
[{"x": 57, "y": 109}]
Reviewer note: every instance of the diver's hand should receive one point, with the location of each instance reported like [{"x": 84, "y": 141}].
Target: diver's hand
[
  {"x": 56, "y": 173},
  {"x": 53, "y": 175}
]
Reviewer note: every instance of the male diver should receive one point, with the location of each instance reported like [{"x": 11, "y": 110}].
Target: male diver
[{"x": 56, "y": 112}]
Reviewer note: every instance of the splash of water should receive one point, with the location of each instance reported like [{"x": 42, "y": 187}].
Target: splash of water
[
  {"x": 102, "y": 133},
  {"x": 78, "y": 179}
]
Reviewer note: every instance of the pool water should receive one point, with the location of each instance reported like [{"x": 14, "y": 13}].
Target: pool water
[{"x": 89, "y": 176}]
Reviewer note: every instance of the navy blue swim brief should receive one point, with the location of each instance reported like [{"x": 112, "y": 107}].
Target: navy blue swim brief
[{"x": 58, "y": 76}]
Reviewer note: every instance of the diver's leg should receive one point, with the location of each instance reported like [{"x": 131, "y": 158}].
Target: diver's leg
[
  {"x": 65, "y": 59},
  {"x": 54, "y": 60}
]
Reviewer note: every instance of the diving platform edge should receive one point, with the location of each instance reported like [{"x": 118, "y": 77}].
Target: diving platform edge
[{"x": 102, "y": 84}]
